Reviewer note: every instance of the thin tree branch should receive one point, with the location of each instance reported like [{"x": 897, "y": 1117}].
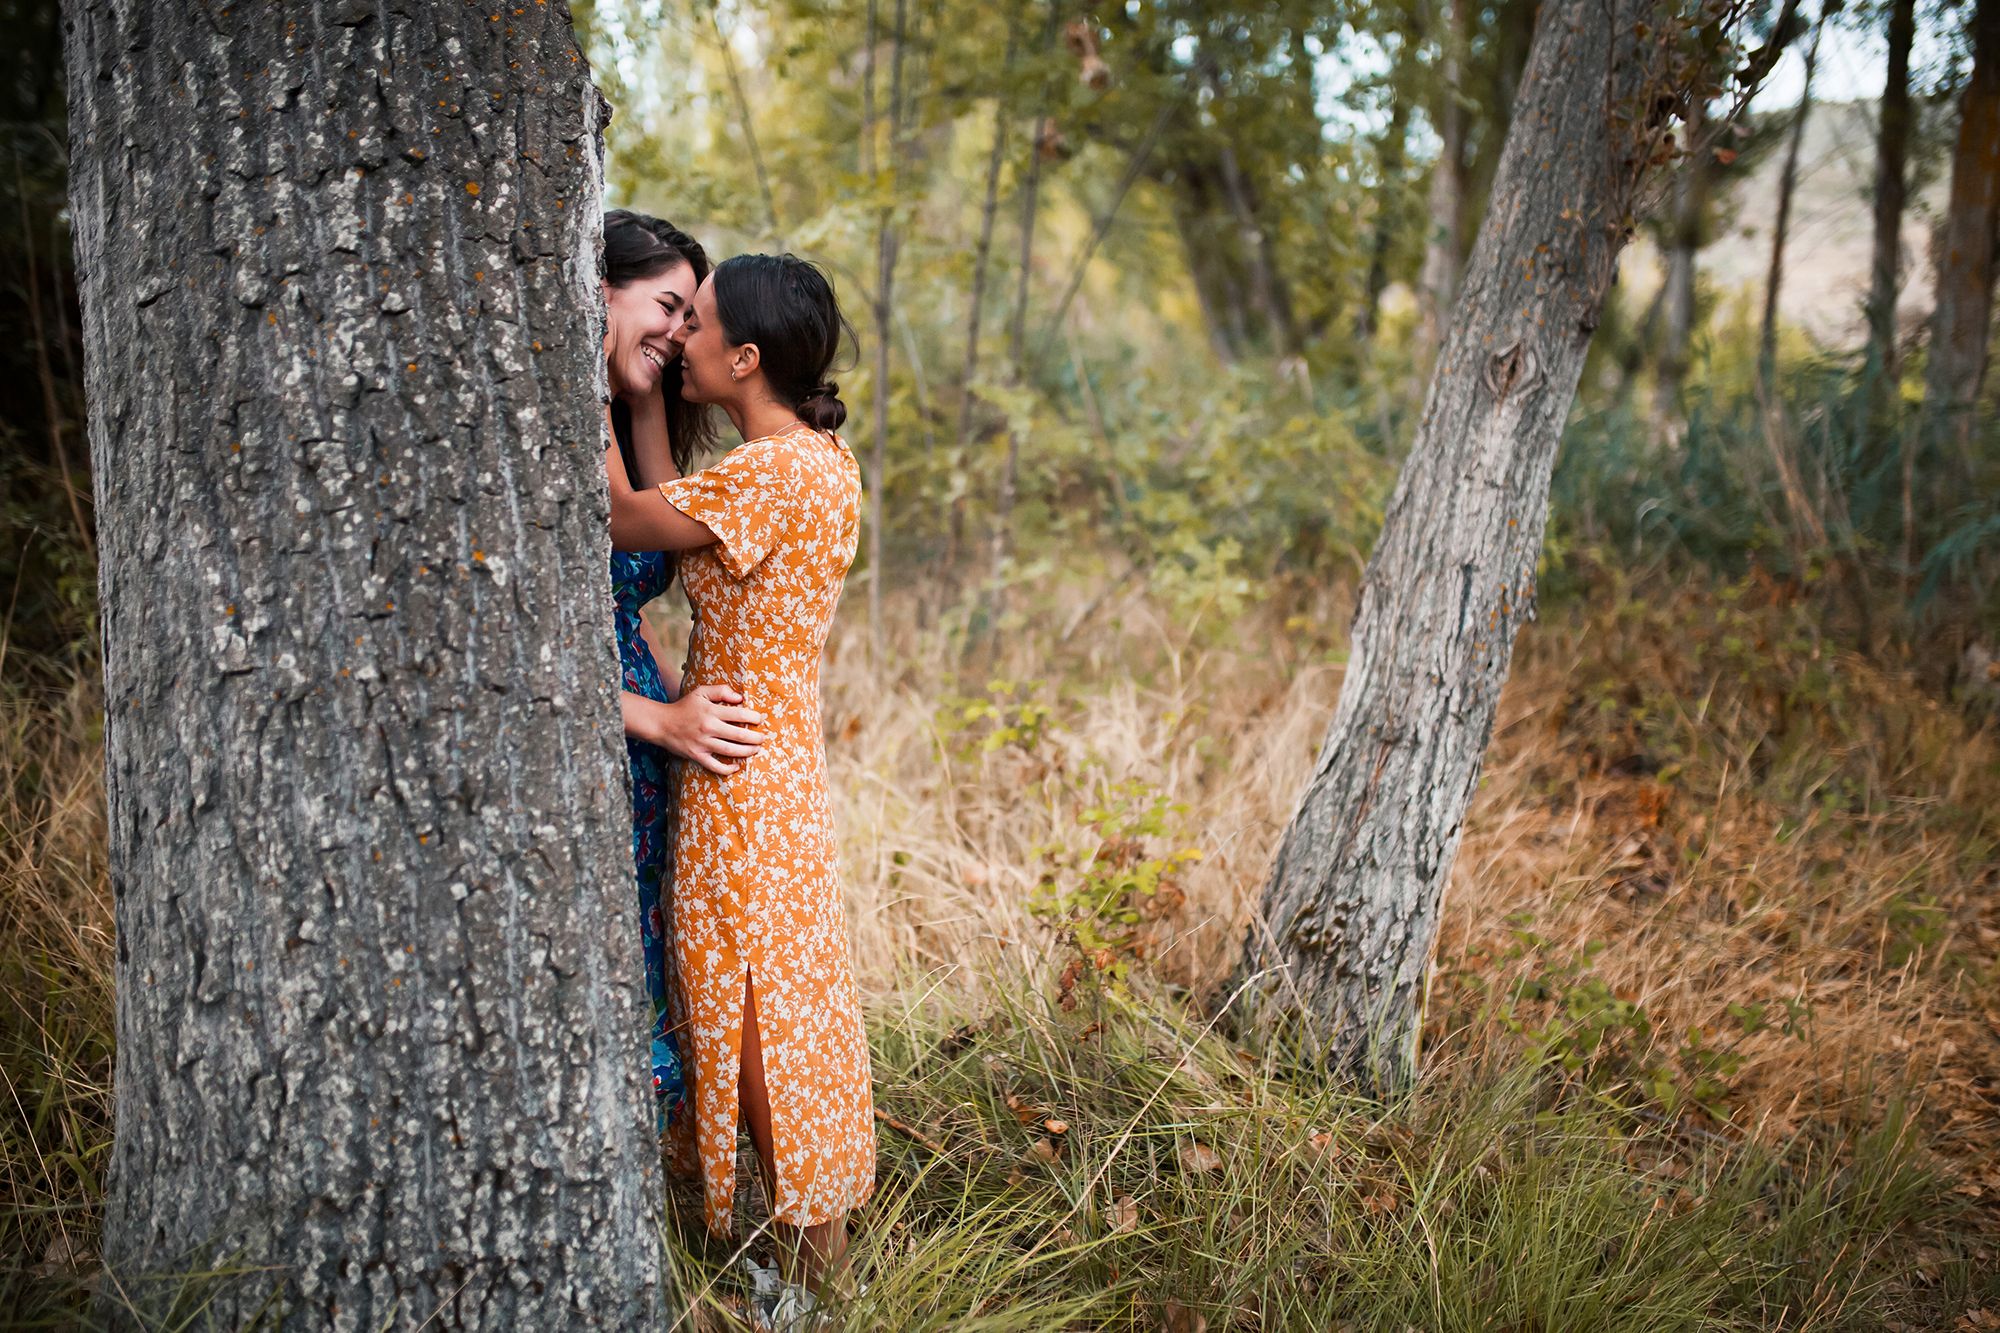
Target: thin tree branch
[
  {"x": 1133, "y": 167},
  {"x": 749, "y": 130}
]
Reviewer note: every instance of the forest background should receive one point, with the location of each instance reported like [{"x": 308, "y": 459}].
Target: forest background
[{"x": 1145, "y": 308}]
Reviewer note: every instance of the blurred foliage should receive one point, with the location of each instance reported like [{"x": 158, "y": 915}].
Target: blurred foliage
[
  {"x": 47, "y": 569},
  {"x": 1197, "y": 351},
  {"x": 1207, "y": 379}
]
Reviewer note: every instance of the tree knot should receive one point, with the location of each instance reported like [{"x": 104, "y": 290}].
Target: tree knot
[{"x": 1514, "y": 367}]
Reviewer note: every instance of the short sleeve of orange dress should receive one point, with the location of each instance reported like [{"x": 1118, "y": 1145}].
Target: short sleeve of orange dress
[{"x": 742, "y": 499}]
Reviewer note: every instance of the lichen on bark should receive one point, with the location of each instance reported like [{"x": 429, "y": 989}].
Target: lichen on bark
[{"x": 380, "y": 1021}]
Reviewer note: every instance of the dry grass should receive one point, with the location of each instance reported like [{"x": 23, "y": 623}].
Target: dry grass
[
  {"x": 55, "y": 986},
  {"x": 944, "y": 839},
  {"x": 1691, "y": 804},
  {"x": 1769, "y": 861},
  {"x": 1694, "y": 790}
]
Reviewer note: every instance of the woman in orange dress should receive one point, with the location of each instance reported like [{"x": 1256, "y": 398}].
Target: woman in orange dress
[{"x": 768, "y": 534}]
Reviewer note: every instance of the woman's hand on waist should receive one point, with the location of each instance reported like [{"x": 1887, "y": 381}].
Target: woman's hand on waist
[{"x": 708, "y": 725}]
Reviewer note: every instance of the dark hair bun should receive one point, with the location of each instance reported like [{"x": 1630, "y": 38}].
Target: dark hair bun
[
  {"x": 786, "y": 306},
  {"x": 822, "y": 409}
]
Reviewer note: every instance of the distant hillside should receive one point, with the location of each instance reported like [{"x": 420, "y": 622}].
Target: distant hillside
[{"x": 1827, "y": 256}]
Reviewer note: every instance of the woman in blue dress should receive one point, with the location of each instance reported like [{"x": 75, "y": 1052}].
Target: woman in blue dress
[{"x": 651, "y": 271}]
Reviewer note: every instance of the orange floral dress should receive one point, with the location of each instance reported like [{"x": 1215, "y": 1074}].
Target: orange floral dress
[{"x": 756, "y": 888}]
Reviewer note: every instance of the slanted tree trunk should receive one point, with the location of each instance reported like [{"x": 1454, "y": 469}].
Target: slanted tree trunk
[
  {"x": 1342, "y": 938},
  {"x": 1892, "y": 147},
  {"x": 1963, "y": 320},
  {"x": 380, "y": 1018}
]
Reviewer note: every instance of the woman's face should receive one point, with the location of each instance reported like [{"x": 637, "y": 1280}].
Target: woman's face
[
  {"x": 640, "y": 320},
  {"x": 706, "y": 356}
]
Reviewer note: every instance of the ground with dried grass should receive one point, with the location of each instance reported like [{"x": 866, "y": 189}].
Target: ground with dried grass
[{"x": 1713, "y": 1037}]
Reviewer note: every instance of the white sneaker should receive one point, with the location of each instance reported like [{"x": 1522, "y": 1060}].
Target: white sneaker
[
  {"x": 796, "y": 1310},
  {"x": 765, "y": 1285}
]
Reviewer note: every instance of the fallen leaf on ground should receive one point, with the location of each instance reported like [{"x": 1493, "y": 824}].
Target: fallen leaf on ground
[
  {"x": 1124, "y": 1214},
  {"x": 1384, "y": 1200},
  {"x": 1025, "y": 1111},
  {"x": 1197, "y": 1156}
]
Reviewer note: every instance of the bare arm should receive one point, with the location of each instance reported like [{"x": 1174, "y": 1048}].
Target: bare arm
[
  {"x": 643, "y": 520},
  {"x": 708, "y": 726},
  {"x": 669, "y": 676},
  {"x": 652, "y": 446}
]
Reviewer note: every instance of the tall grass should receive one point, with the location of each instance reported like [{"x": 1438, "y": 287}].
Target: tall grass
[
  {"x": 1708, "y": 1044},
  {"x": 55, "y": 992}
]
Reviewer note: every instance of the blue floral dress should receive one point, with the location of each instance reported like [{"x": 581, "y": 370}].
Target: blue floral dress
[{"x": 637, "y": 577}]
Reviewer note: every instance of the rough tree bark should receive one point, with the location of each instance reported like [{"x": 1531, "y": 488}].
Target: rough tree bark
[
  {"x": 379, "y": 1007},
  {"x": 1963, "y": 320},
  {"x": 1342, "y": 937}
]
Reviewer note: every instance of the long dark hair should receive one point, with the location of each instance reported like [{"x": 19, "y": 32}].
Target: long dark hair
[
  {"x": 786, "y": 306},
  {"x": 638, "y": 246}
]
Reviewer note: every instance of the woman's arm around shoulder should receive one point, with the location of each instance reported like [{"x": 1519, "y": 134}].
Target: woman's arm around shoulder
[{"x": 643, "y": 520}]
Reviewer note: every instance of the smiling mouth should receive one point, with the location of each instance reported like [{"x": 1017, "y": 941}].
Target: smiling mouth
[{"x": 653, "y": 357}]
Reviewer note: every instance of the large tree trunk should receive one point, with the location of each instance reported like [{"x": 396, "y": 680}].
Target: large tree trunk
[
  {"x": 380, "y": 1018},
  {"x": 1891, "y": 153},
  {"x": 1965, "y": 263},
  {"x": 1343, "y": 935}
]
